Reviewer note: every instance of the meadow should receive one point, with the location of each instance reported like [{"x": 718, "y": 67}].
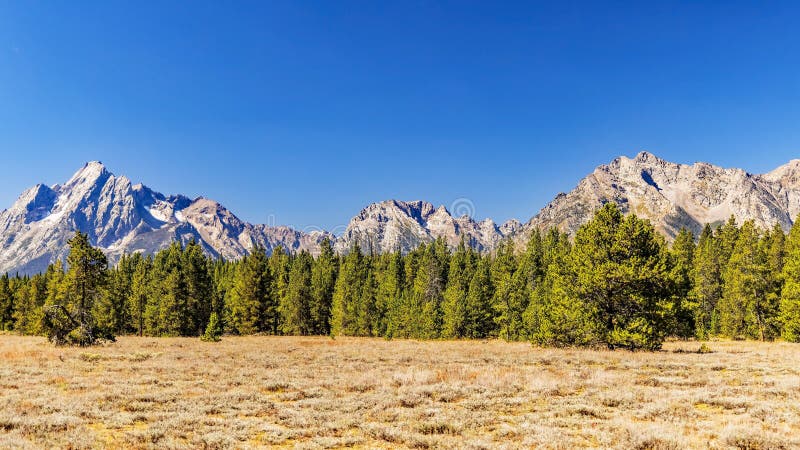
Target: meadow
[{"x": 316, "y": 392}]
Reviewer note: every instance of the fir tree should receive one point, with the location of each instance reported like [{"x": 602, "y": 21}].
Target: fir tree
[
  {"x": 296, "y": 306},
  {"x": 790, "y": 292},
  {"x": 745, "y": 310},
  {"x": 251, "y": 306},
  {"x": 706, "y": 285},
  {"x": 323, "y": 283},
  {"x": 6, "y": 304},
  {"x": 621, "y": 274},
  {"x": 213, "y": 329},
  {"x": 454, "y": 307},
  {"x": 480, "y": 312},
  {"x": 683, "y": 308}
]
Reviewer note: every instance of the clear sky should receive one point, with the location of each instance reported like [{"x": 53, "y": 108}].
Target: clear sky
[{"x": 303, "y": 112}]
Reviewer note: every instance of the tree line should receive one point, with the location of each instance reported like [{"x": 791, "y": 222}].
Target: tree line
[{"x": 617, "y": 284}]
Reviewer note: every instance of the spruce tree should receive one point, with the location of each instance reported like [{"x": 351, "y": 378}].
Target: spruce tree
[
  {"x": 391, "y": 296},
  {"x": 348, "y": 305},
  {"x": 556, "y": 316},
  {"x": 745, "y": 309},
  {"x": 213, "y": 330},
  {"x": 323, "y": 283},
  {"x": 296, "y": 306},
  {"x": 706, "y": 285},
  {"x": 683, "y": 308},
  {"x": 6, "y": 304},
  {"x": 790, "y": 292},
  {"x": 252, "y": 306},
  {"x": 480, "y": 314},
  {"x": 140, "y": 292},
  {"x": 454, "y": 307},
  {"x": 622, "y": 274},
  {"x": 427, "y": 295},
  {"x": 199, "y": 290},
  {"x": 279, "y": 264},
  {"x": 507, "y": 299}
]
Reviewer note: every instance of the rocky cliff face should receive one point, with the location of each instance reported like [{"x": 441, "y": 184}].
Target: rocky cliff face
[
  {"x": 392, "y": 225},
  {"x": 121, "y": 217},
  {"x": 673, "y": 196}
]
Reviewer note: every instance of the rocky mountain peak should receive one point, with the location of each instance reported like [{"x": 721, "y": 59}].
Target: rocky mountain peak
[{"x": 674, "y": 196}]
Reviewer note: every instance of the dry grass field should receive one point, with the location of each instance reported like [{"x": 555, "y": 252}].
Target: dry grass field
[{"x": 252, "y": 392}]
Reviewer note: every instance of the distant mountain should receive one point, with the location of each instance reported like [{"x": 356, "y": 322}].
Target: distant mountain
[
  {"x": 673, "y": 196},
  {"x": 121, "y": 217},
  {"x": 391, "y": 225}
]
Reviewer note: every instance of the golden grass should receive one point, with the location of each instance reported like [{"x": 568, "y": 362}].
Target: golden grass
[{"x": 249, "y": 392}]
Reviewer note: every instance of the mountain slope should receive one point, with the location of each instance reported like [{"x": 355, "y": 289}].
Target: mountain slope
[
  {"x": 122, "y": 218},
  {"x": 391, "y": 225},
  {"x": 673, "y": 195}
]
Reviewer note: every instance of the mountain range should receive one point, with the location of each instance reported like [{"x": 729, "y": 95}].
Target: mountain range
[{"x": 122, "y": 217}]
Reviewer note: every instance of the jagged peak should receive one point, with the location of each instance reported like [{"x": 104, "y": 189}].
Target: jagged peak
[
  {"x": 90, "y": 173},
  {"x": 791, "y": 167}
]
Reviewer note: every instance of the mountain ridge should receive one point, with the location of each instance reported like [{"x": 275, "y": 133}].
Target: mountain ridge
[{"x": 122, "y": 217}]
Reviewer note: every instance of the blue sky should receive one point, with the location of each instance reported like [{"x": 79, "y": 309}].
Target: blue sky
[{"x": 304, "y": 112}]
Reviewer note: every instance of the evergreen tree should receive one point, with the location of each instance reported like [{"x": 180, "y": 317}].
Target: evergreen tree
[
  {"x": 279, "y": 265},
  {"x": 706, "y": 288},
  {"x": 323, "y": 283},
  {"x": 6, "y": 304},
  {"x": 390, "y": 295},
  {"x": 622, "y": 275},
  {"x": 454, "y": 308},
  {"x": 112, "y": 310},
  {"x": 73, "y": 321},
  {"x": 745, "y": 310},
  {"x": 140, "y": 290},
  {"x": 296, "y": 306},
  {"x": 556, "y": 316},
  {"x": 349, "y": 308},
  {"x": 507, "y": 299},
  {"x": 427, "y": 295},
  {"x": 480, "y": 312},
  {"x": 790, "y": 292},
  {"x": 213, "y": 329},
  {"x": 199, "y": 290},
  {"x": 252, "y": 306},
  {"x": 682, "y": 255}
]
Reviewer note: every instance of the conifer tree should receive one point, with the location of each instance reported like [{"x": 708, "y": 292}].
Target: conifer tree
[
  {"x": 323, "y": 283},
  {"x": 279, "y": 264},
  {"x": 390, "y": 295},
  {"x": 454, "y": 307},
  {"x": 682, "y": 255},
  {"x": 296, "y": 306},
  {"x": 140, "y": 291},
  {"x": 556, "y": 316},
  {"x": 507, "y": 300},
  {"x": 745, "y": 310},
  {"x": 252, "y": 306},
  {"x": 427, "y": 295},
  {"x": 73, "y": 321},
  {"x": 26, "y": 312},
  {"x": 622, "y": 274},
  {"x": 213, "y": 329},
  {"x": 348, "y": 305},
  {"x": 480, "y": 312},
  {"x": 6, "y": 304},
  {"x": 706, "y": 285},
  {"x": 790, "y": 292}
]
